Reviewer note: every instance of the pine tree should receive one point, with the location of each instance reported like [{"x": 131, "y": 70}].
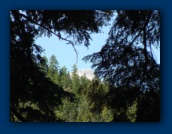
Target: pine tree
[
  {"x": 53, "y": 69},
  {"x": 28, "y": 83},
  {"x": 65, "y": 80},
  {"x": 127, "y": 63},
  {"x": 75, "y": 79},
  {"x": 44, "y": 65}
]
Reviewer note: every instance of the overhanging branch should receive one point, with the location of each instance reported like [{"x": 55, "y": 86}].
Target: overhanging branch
[{"x": 59, "y": 36}]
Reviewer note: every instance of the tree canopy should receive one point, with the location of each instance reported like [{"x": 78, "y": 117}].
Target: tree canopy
[
  {"x": 127, "y": 82},
  {"x": 27, "y": 82},
  {"x": 126, "y": 60}
]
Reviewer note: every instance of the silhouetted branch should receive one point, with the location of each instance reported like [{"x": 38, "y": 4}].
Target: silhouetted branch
[
  {"x": 59, "y": 36},
  {"x": 144, "y": 41},
  {"x": 21, "y": 118},
  {"x": 135, "y": 38},
  {"x": 143, "y": 28}
]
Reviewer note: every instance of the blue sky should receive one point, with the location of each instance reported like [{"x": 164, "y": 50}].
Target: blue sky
[{"x": 66, "y": 55}]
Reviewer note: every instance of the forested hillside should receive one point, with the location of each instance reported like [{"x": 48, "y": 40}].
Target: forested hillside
[{"x": 126, "y": 86}]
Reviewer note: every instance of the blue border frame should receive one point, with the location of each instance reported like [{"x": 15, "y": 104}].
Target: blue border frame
[{"x": 166, "y": 108}]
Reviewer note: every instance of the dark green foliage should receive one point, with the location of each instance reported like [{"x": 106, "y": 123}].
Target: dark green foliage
[
  {"x": 122, "y": 61},
  {"x": 53, "y": 65},
  {"x": 127, "y": 63},
  {"x": 75, "y": 79},
  {"x": 149, "y": 107},
  {"x": 65, "y": 80},
  {"x": 77, "y": 24},
  {"x": 44, "y": 64},
  {"x": 53, "y": 70},
  {"x": 126, "y": 86},
  {"x": 29, "y": 84}
]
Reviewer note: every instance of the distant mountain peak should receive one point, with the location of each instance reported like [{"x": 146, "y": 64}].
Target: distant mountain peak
[{"x": 88, "y": 73}]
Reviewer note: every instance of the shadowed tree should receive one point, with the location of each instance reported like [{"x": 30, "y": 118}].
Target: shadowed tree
[
  {"x": 126, "y": 61},
  {"x": 33, "y": 97},
  {"x": 129, "y": 77}
]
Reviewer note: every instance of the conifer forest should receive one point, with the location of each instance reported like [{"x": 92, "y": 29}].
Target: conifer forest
[{"x": 126, "y": 86}]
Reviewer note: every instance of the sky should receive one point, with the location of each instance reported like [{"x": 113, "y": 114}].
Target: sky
[{"x": 66, "y": 55}]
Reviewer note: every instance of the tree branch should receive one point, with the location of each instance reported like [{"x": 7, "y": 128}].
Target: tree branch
[
  {"x": 144, "y": 40},
  {"x": 59, "y": 36},
  {"x": 21, "y": 118},
  {"x": 142, "y": 29},
  {"x": 135, "y": 38}
]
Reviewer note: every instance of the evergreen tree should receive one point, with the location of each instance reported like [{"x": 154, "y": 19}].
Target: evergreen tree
[
  {"x": 126, "y": 61},
  {"x": 65, "y": 80},
  {"x": 28, "y": 84},
  {"x": 53, "y": 69},
  {"x": 127, "y": 84},
  {"x": 44, "y": 65},
  {"x": 75, "y": 79},
  {"x": 68, "y": 110}
]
